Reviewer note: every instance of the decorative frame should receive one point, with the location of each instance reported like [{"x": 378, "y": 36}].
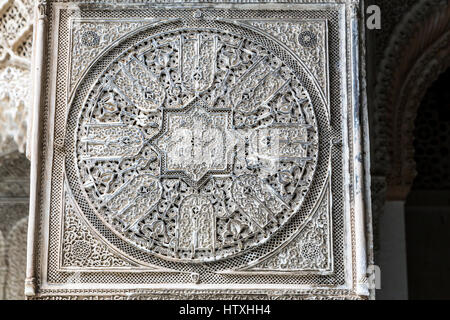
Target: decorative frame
[{"x": 62, "y": 233}]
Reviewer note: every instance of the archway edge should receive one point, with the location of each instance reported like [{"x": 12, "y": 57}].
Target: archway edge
[{"x": 417, "y": 54}]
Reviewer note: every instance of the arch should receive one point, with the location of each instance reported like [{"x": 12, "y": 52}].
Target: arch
[
  {"x": 16, "y": 259},
  {"x": 417, "y": 54}
]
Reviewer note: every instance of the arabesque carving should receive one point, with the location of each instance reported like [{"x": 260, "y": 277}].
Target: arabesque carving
[
  {"x": 196, "y": 145},
  {"x": 16, "y": 30}
]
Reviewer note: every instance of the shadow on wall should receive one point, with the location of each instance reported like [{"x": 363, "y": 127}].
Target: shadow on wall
[{"x": 427, "y": 210}]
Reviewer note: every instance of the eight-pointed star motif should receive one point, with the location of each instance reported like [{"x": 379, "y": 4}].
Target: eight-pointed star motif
[{"x": 196, "y": 141}]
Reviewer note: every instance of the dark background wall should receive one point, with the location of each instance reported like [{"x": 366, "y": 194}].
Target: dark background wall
[{"x": 427, "y": 214}]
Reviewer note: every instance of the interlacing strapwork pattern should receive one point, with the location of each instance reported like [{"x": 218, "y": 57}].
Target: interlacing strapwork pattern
[{"x": 196, "y": 145}]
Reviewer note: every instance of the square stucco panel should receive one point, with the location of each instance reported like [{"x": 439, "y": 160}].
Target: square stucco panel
[{"x": 198, "y": 150}]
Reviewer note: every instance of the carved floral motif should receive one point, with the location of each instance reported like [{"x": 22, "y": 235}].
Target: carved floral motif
[
  {"x": 90, "y": 38},
  {"x": 80, "y": 248},
  {"x": 310, "y": 250},
  {"x": 307, "y": 40}
]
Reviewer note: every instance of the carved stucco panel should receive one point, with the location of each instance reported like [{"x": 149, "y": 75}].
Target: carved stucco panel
[
  {"x": 152, "y": 166},
  {"x": 196, "y": 143}
]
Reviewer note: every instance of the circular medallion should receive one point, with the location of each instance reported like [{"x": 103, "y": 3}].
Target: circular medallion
[
  {"x": 196, "y": 145},
  {"x": 307, "y": 39}
]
